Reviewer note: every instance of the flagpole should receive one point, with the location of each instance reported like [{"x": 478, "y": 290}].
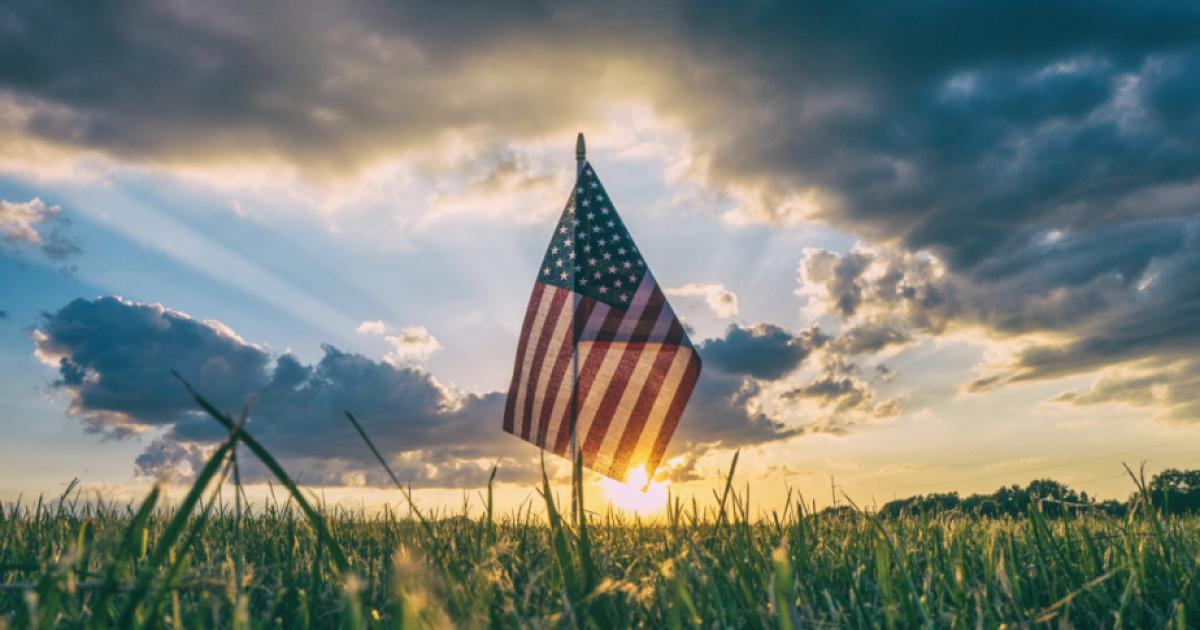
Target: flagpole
[{"x": 576, "y": 484}]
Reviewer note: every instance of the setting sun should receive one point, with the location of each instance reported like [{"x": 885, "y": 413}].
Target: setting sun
[{"x": 630, "y": 496}]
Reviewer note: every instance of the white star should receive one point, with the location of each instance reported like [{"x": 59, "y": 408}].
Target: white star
[
  {"x": 580, "y": 189},
  {"x": 602, "y": 242},
  {"x": 604, "y": 289},
  {"x": 558, "y": 263},
  {"x": 571, "y": 255},
  {"x": 632, "y": 278},
  {"x": 586, "y": 203},
  {"x": 617, "y": 284},
  {"x": 587, "y": 248},
  {"x": 625, "y": 264},
  {"x": 546, "y": 271},
  {"x": 578, "y": 269},
  {"x": 599, "y": 197},
  {"x": 641, "y": 264},
  {"x": 589, "y": 172},
  {"x": 568, "y": 243},
  {"x": 611, "y": 223},
  {"x": 620, "y": 250},
  {"x": 595, "y": 228},
  {"x": 603, "y": 210},
  {"x": 624, "y": 297},
  {"x": 607, "y": 256},
  {"x": 594, "y": 184},
  {"x": 597, "y": 275},
  {"x": 553, "y": 250},
  {"x": 563, "y": 275},
  {"x": 612, "y": 269},
  {"x": 562, "y": 230},
  {"x": 583, "y": 281},
  {"x": 591, "y": 261}
]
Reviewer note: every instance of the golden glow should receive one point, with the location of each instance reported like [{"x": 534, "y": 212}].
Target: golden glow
[{"x": 629, "y": 495}]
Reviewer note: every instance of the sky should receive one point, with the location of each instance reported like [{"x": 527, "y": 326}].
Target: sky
[{"x": 928, "y": 248}]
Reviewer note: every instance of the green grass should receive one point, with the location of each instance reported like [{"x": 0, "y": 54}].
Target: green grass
[{"x": 294, "y": 563}]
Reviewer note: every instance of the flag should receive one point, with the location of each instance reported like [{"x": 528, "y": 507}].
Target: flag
[{"x": 599, "y": 339}]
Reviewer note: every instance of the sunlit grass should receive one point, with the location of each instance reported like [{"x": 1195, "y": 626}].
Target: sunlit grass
[{"x": 293, "y": 563}]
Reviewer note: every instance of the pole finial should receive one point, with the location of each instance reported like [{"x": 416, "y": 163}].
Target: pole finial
[{"x": 580, "y": 148}]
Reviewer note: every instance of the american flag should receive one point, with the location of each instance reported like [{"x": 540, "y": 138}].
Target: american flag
[{"x": 598, "y": 320}]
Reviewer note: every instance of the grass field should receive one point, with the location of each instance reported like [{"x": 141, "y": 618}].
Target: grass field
[{"x": 201, "y": 563}]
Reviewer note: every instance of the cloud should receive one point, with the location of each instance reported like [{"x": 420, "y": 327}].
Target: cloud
[
  {"x": 411, "y": 344},
  {"x": 34, "y": 224},
  {"x": 1079, "y": 302},
  {"x": 764, "y": 350},
  {"x": 1172, "y": 388},
  {"x": 114, "y": 359},
  {"x": 375, "y": 327},
  {"x": 844, "y": 397},
  {"x": 722, "y": 301},
  {"x": 1037, "y": 184}
]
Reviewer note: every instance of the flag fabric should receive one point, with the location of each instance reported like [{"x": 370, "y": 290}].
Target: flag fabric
[{"x": 598, "y": 320}]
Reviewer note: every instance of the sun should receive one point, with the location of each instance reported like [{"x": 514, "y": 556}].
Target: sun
[{"x": 629, "y": 495}]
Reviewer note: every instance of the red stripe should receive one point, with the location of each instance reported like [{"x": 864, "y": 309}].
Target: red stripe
[
  {"x": 641, "y": 409},
  {"x": 673, "y": 413},
  {"x": 650, "y": 318},
  {"x": 618, "y": 383},
  {"x": 600, "y": 312},
  {"x": 539, "y": 356},
  {"x": 587, "y": 375},
  {"x": 612, "y": 396},
  {"x": 562, "y": 368},
  {"x": 675, "y": 333},
  {"x": 530, "y": 314}
]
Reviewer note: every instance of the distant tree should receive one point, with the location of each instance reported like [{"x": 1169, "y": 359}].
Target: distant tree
[
  {"x": 1176, "y": 491},
  {"x": 923, "y": 504},
  {"x": 1053, "y": 497}
]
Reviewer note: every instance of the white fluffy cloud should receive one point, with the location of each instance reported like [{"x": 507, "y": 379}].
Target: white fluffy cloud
[
  {"x": 722, "y": 301},
  {"x": 34, "y": 224},
  {"x": 411, "y": 344},
  {"x": 18, "y": 220}
]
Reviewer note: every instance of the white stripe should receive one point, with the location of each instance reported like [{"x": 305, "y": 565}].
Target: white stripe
[
  {"x": 535, "y": 333},
  {"x": 560, "y": 336},
  {"x": 638, "y": 381},
  {"x": 562, "y": 400},
  {"x": 634, "y": 314},
  {"x": 662, "y": 403},
  {"x": 596, "y": 391}
]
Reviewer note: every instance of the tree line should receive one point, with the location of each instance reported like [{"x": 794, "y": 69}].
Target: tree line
[{"x": 1172, "y": 491}]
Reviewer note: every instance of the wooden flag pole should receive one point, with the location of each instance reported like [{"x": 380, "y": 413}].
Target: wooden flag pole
[{"x": 576, "y": 472}]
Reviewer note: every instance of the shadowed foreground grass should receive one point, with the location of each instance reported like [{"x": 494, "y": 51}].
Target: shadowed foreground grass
[{"x": 293, "y": 564}]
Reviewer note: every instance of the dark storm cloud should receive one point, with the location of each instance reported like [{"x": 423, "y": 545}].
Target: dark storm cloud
[
  {"x": 115, "y": 357},
  {"x": 764, "y": 350},
  {"x": 1030, "y": 168},
  {"x": 1127, "y": 292}
]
